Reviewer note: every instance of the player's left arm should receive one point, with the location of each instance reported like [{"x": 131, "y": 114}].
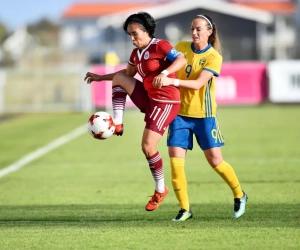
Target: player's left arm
[
  {"x": 178, "y": 61},
  {"x": 211, "y": 68},
  {"x": 172, "y": 54},
  {"x": 201, "y": 80}
]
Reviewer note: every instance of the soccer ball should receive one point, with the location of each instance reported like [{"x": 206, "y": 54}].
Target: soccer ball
[{"x": 101, "y": 125}]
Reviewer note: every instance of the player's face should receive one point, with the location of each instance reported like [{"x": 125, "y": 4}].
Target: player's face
[
  {"x": 139, "y": 37},
  {"x": 200, "y": 32}
]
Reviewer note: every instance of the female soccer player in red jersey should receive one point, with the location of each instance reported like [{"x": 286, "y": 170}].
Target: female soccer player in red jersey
[{"x": 154, "y": 59}]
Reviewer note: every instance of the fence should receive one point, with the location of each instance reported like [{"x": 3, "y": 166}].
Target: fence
[{"x": 61, "y": 90}]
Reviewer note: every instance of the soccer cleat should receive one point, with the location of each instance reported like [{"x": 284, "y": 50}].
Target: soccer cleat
[
  {"x": 183, "y": 215},
  {"x": 239, "y": 206},
  {"x": 156, "y": 200},
  {"x": 119, "y": 130}
]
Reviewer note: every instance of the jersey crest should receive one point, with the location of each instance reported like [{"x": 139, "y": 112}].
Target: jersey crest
[
  {"x": 202, "y": 61},
  {"x": 146, "y": 55}
]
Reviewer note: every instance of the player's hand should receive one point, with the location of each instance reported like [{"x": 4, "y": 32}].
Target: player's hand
[
  {"x": 90, "y": 77},
  {"x": 168, "y": 81},
  {"x": 158, "y": 81}
]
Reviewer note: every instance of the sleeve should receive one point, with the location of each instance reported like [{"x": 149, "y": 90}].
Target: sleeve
[
  {"x": 131, "y": 58},
  {"x": 167, "y": 50},
  {"x": 181, "y": 48},
  {"x": 214, "y": 64},
  {"x": 178, "y": 47}
]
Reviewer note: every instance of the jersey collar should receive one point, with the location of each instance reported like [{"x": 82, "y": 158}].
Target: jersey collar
[
  {"x": 200, "y": 51},
  {"x": 140, "y": 53}
]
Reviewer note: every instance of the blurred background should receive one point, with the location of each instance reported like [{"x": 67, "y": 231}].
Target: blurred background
[{"x": 45, "y": 50}]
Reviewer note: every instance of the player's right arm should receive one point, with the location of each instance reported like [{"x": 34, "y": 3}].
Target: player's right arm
[
  {"x": 91, "y": 77},
  {"x": 129, "y": 71}
]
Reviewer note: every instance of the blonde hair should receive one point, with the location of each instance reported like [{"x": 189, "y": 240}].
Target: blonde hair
[{"x": 213, "y": 39}]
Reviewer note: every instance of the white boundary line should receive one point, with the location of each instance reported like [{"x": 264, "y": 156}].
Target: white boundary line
[{"x": 43, "y": 150}]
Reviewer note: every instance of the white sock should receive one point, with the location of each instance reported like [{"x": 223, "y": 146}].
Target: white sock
[
  {"x": 118, "y": 99},
  {"x": 160, "y": 185},
  {"x": 118, "y": 116}
]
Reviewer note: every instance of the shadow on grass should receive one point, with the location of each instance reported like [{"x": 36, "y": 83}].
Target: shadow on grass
[
  {"x": 7, "y": 117},
  {"x": 209, "y": 215},
  {"x": 246, "y": 181}
]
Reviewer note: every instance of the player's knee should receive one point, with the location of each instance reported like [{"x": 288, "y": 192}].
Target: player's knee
[
  {"x": 118, "y": 78},
  {"x": 213, "y": 157},
  {"x": 148, "y": 149},
  {"x": 214, "y": 161}
]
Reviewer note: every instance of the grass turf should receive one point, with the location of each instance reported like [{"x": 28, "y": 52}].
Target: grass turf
[{"x": 90, "y": 194}]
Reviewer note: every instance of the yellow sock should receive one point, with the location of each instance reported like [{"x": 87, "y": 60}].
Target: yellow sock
[
  {"x": 228, "y": 175},
  {"x": 179, "y": 182}
]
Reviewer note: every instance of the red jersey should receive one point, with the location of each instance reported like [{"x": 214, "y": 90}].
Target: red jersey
[{"x": 149, "y": 63}]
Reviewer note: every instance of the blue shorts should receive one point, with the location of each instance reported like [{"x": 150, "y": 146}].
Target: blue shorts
[{"x": 206, "y": 130}]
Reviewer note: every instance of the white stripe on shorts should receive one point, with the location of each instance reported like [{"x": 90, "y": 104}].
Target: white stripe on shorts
[{"x": 164, "y": 116}]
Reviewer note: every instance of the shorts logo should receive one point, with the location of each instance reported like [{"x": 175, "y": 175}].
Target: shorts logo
[{"x": 146, "y": 56}]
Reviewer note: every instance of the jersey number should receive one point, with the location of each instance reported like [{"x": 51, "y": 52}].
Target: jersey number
[
  {"x": 188, "y": 70},
  {"x": 155, "y": 113}
]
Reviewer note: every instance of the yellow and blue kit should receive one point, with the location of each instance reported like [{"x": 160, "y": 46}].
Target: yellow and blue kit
[{"x": 199, "y": 103}]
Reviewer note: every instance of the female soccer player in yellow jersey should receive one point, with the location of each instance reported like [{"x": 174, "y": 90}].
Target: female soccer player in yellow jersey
[{"x": 198, "y": 114}]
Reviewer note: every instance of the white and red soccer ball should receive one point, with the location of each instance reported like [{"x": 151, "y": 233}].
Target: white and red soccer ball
[{"x": 101, "y": 125}]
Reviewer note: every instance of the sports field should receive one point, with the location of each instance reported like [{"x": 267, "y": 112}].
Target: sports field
[{"x": 90, "y": 194}]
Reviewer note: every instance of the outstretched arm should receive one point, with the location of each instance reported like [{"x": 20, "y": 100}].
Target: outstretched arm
[{"x": 91, "y": 77}]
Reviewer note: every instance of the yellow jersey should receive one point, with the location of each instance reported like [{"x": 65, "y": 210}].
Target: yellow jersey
[{"x": 198, "y": 103}]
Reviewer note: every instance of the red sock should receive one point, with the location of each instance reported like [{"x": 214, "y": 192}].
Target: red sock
[{"x": 156, "y": 168}]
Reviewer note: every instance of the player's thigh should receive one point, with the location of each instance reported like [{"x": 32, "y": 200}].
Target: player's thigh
[
  {"x": 126, "y": 82},
  {"x": 139, "y": 96},
  {"x": 159, "y": 115},
  {"x": 177, "y": 152},
  {"x": 180, "y": 133},
  {"x": 208, "y": 133}
]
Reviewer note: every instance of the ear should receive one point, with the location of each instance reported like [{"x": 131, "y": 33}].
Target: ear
[{"x": 210, "y": 32}]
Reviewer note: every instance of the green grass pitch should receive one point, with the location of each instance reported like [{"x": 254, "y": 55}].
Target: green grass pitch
[{"x": 91, "y": 194}]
